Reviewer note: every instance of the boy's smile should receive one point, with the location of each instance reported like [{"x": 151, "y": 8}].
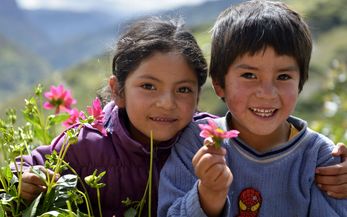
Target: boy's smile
[{"x": 261, "y": 92}]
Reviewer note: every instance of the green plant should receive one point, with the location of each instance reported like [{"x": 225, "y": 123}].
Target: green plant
[
  {"x": 136, "y": 207},
  {"x": 62, "y": 197}
]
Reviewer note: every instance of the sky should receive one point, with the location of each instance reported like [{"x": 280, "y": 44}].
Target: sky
[{"x": 82, "y": 5}]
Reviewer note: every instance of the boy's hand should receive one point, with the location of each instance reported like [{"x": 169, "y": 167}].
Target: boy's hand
[
  {"x": 32, "y": 185},
  {"x": 333, "y": 179},
  {"x": 214, "y": 176}
]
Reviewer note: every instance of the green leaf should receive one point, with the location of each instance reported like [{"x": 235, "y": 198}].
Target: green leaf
[
  {"x": 62, "y": 213},
  {"x": 65, "y": 190},
  {"x": 39, "y": 173},
  {"x": 131, "y": 212},
  {"x": 6, "y": 198},
  {"x": 32, "y": 209},
  {"x": 2, "y": 211},
  {"x": 67, "y": 181},
  {"x": 57, "y": 118},
  {"x": 54, "y": 213},
  {"x": 7, "y": 173}
]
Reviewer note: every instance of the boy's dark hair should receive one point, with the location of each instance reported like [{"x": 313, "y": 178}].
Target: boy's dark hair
[
  {"x": 252, "y": 26},
  {"x": 153, "y": 34}
]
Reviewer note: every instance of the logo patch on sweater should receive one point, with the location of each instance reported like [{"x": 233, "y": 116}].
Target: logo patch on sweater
[{"x": 249, "y": 202}]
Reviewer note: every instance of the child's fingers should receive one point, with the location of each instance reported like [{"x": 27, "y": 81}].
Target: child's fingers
[
  {"x": 337, "y": 191},
  {"x": 31, "y": 191},
  {"x": 207, "y": 149},
  {"x": 32, "y": 178},
  {"x": 217, "y": 178},
  {"x": 340, "y": 150},
  {"x": 48, "y": 172},
  {"x": 209, "y": 163}
]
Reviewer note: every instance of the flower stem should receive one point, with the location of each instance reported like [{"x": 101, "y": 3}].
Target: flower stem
[
  {"x": 86, "y": 196},
  {"x": 99, "y": 204},
  {"x": 20, "y": 177},
  {"x": 150, "y": 176}
]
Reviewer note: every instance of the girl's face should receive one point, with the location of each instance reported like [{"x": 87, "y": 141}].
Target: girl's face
[
  {"x": 160, "y": 95},
  {"x": 261, "y": 92}
]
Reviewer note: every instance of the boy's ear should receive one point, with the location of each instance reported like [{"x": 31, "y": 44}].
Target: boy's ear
[
  {"x": 218, "y": 89},
  {"x": 115, "y": 93}
]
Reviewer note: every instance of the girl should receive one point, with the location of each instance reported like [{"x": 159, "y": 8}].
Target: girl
[{"x": 158, "y": 71}]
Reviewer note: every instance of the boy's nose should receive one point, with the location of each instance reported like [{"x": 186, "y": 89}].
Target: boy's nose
[
  {"x": 166, "y": 101},
  {"x": 266, "y": 90}
]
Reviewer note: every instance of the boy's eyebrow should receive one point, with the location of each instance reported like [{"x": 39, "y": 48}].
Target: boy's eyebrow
[
  {"x": 245, "y": 66},
  {"x": 284, "y": 69}
]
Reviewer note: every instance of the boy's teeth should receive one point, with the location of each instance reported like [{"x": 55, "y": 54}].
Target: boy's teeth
[{"x": 263, "y": 112}]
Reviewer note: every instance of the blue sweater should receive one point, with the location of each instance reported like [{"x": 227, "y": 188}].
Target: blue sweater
[{"x": 277, "y": 183}]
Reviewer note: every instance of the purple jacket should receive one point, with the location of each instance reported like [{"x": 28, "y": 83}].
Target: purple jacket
[{"x": 125, "y": 161}]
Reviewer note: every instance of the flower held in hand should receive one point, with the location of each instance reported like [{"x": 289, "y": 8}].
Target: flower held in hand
[{"x": 214, "y": 135}]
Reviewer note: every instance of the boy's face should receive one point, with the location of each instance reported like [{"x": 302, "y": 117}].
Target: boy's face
[
  {"x": 261, "y": 92},
  {"x": 160, "y": 95}
]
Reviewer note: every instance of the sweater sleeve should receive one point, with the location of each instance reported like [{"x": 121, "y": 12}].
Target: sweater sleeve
[
  {"x": 178, "y": 187},
  {"x": 321, "y": 203}
]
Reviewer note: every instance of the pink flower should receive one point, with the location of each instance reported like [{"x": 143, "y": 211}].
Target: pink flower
[
  {"x": 98, "y": 116},
  {"x": 214, "y": 135},
  {"x": 74, "y": 118},
  {"x": 58, "y": 98}
]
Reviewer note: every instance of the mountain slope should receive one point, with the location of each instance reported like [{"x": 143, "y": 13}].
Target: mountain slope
[{"x": 19, "y": 69}]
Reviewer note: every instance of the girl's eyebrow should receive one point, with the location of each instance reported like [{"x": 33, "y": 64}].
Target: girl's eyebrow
[{"x": 150, "y": 77}]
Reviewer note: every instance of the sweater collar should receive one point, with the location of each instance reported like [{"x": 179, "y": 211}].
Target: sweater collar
[{"x": 115, "y": 124}]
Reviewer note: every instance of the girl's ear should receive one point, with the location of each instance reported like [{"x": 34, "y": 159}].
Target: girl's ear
[
  {"x": 115, "y": 92},
  {"x": 218, "y": 89}
]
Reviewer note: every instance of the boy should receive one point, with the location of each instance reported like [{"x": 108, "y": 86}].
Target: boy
[{"x": 259, "y": 64}]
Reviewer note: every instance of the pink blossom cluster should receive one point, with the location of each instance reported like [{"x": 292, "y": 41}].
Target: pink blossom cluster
[{"x": 61, "y": 100}]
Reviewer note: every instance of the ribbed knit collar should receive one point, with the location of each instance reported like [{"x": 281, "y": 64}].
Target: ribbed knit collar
[
  {"x": 115, "y": 124},
  {"x": 273, "y": 154}
]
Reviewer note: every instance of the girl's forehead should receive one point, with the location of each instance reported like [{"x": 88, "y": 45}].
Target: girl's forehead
[{"x": 165, "y": 66}]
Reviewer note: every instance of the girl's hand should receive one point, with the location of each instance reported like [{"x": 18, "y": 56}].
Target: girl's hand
[
  {"x": 32, "y": 185},
  {"x": 333, "y": 179},
  {"x": 215, "y": 178}
]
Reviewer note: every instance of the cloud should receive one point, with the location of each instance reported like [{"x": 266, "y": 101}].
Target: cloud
[{"x": 134, "y": 5}]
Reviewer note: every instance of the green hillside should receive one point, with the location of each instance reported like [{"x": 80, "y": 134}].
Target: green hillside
[
  {"x": 322, "y": 102},
  {"x": 18, "y": 68},
  {"x": 88, "y": 79}
]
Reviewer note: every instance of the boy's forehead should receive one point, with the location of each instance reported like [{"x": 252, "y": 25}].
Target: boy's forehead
[{"x": 263, "y": 57}]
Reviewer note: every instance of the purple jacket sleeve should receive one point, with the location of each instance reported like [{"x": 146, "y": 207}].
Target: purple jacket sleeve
[{"x": 37, "y": 156}]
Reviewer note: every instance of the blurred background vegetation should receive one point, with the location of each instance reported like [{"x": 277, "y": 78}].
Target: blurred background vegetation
[{"x": 323, "y": 102}]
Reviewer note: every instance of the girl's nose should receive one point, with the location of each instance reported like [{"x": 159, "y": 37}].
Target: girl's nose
[{"x": 166, "y": 101}]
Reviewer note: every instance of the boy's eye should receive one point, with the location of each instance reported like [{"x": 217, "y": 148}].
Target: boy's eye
[
  {"x": 248, "y": 75},
  {"x": 148, "y": 86},
  {"x": 184, "y": 90},
  {"x": 284, "y": 77}
]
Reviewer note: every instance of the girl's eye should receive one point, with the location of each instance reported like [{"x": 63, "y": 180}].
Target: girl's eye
[
  {"x": 148, "y": 86},
  {"x": 284, "y": 77},
  {"x": 184, "y": 90},
  {"x": 248, "y": 75}
]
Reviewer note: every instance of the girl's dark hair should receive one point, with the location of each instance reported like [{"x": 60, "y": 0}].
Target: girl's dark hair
[
  {"x": 145, "y": 37},
  {"x": 252, "y": 26}
]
